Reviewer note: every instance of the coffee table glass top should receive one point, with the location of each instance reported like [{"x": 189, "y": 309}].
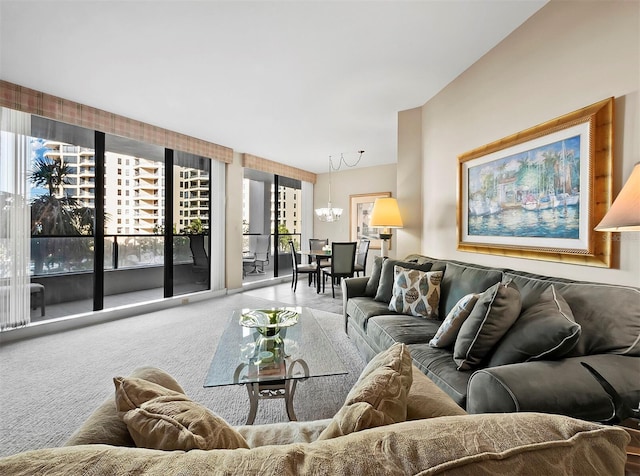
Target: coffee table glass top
[{"x": 264, "y": 354}]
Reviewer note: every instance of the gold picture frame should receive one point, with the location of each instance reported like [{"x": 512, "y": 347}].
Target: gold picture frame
[
  {"x": 360, "y": 207},
  {"x": 539, "y": 193}
]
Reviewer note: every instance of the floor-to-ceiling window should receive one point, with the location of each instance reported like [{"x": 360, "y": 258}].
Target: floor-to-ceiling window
[
  {"x": 272, "y": 214},
  {"x": 98, "y": 209},
  {"x": 61, "y": 176},
  {"x": 191, "y": 223}
]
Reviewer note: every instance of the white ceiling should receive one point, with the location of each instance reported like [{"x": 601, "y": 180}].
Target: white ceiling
[{"x": 291, "y": 81}]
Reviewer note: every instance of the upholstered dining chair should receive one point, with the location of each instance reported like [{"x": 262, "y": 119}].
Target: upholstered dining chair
[
  {"x": 343, "y": 256},
  {"x": 361, "y": 257},
  {"x": 200, "y": 258},
  {"x": 317, "y": 244},
  {"x": 262, "y": 252},
  {"x": 308, "y": 269}
]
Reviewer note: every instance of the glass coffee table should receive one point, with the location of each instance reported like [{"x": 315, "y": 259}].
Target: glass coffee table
[{"x": 269, "y": 352}]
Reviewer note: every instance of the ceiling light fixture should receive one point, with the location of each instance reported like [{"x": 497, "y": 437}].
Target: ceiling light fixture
[{"x": 331, "y": 214}]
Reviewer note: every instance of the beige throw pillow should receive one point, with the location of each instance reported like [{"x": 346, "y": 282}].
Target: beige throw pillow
[
  {"x": 416, "y": 292},
  {"x": 159, "y": 418},
  {"x": 448, "y": 330},
  {"x": 383, "y": 385}
]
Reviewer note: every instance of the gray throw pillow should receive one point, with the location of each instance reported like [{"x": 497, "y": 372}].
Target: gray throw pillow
[
  {"x": 374, "y": 279},
  {"x": 545, "y": 330},
  {"x": 387, "y": 277},
  {"x": 492, "y": 316}
]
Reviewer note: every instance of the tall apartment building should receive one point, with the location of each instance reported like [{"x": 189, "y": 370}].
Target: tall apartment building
[{"x": 134, "y": 189}]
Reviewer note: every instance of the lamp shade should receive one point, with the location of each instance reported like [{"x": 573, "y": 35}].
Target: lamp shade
[
  {"x": 385, "y": 214},
  {"x": 624, "y": 214}
]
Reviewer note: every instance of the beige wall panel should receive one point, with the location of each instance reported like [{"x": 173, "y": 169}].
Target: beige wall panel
[
  {"x": 567, "y": 56},
  {"x": 351, "y": 182},
  {"x": 409, "y": 181},
  {"x": 233, "y": 238}
]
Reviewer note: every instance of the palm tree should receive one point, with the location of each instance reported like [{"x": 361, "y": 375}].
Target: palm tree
[
  {"x": 49, "y": 173},
  {"x": 54, "y": 215}
]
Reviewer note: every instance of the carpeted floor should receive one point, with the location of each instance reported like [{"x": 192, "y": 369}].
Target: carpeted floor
[{"x": 49, "y": 385}]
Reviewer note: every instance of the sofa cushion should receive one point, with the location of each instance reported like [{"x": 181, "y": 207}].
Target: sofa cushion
[
  {"x": 383, "y": 386},
  {"x": 427, "y": 400},
  {"x": 460, "y": 280},
  {"x": 448, "y": 330},
  {"x": 416, "y": 292},
  {"x": 355, "y": 417},
  {"x": 609, "y": 315},
  {"x": 386, "y": 330},
  {"x": 374, "y": 279},
  {"x": 385, "y": 286},
  {"x": 162, "y": 419},
  {"x": 492, "y": 316},
  {"x": 518, "y": 443},
  {"x": 132, "y": 392},
  {"x": 361, "y": 309},
  {"x": 546, "y": 330},
  {"x": 438, "y": 365},
  {"x": 104, "y": 426}
]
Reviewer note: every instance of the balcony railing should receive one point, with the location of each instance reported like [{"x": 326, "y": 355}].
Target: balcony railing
[{"x": 52, "y": 255}]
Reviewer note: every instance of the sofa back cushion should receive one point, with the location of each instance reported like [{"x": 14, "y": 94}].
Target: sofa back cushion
[
  {"x": 516, "y": 443},
  {"x": 387, "y": 277},
  {"x": 374, "y": 279},
  {"x": 608, "y": 314},
  {"x": 460, "y": 279}
]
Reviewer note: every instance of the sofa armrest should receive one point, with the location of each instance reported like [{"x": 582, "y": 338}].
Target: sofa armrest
[
  {"x": 562, "y": 386},
  {"x": 352, "y": 287}
]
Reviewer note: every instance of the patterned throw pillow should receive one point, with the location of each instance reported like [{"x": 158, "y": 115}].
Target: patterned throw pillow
[
  {"x": 448, "y": 330},
  {"x": 416, "y": 292}
]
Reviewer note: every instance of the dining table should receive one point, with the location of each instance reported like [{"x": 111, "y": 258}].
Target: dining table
[{"x": 317, "y": 255}]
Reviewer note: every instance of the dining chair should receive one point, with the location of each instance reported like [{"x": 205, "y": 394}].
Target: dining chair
[
  {"x": 308, "y": 269},
  {"x": 262, "y": 252},
  {"x": 317, "y": 244},
  {"x": 343, "y": 257},
  {"x": 361, "y": 257},
  {"x": 199, "y": 255}
]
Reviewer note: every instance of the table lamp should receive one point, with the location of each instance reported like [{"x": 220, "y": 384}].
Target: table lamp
[
  {"x": 385, "y": 215},
  {"x": 624, "y": 214}
]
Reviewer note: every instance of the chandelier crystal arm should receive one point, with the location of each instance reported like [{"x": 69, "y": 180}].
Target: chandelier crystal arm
[{"x": 330, "y": 214}]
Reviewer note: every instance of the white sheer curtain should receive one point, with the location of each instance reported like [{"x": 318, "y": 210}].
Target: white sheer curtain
[{"x": 15, "y": 218}]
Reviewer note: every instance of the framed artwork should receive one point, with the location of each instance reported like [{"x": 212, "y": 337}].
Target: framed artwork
[
  {"x": 360, "y": 207},
  {"x": 539, "y": 193}
]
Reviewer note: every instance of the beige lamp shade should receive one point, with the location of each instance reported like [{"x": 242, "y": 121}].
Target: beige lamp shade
[
  {"x": 624, "y": 214},
  {"x": 385, "y": 214}
]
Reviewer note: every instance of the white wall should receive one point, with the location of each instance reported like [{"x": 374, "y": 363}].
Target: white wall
[
  {"x": 351, "y": 182},
  {"x": 567, "y": 56}
]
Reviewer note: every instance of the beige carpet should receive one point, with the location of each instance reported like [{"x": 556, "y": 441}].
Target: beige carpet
[{"x": 50, "y": 385}]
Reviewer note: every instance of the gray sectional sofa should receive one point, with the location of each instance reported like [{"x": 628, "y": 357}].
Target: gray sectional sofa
[{"x": 607, "y": 319}]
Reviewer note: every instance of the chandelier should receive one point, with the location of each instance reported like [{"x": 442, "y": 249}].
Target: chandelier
[{"x": 329, "y": 213}]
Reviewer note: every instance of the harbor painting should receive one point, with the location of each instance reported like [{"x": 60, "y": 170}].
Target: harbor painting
[{"x": 533, "y": 194}]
